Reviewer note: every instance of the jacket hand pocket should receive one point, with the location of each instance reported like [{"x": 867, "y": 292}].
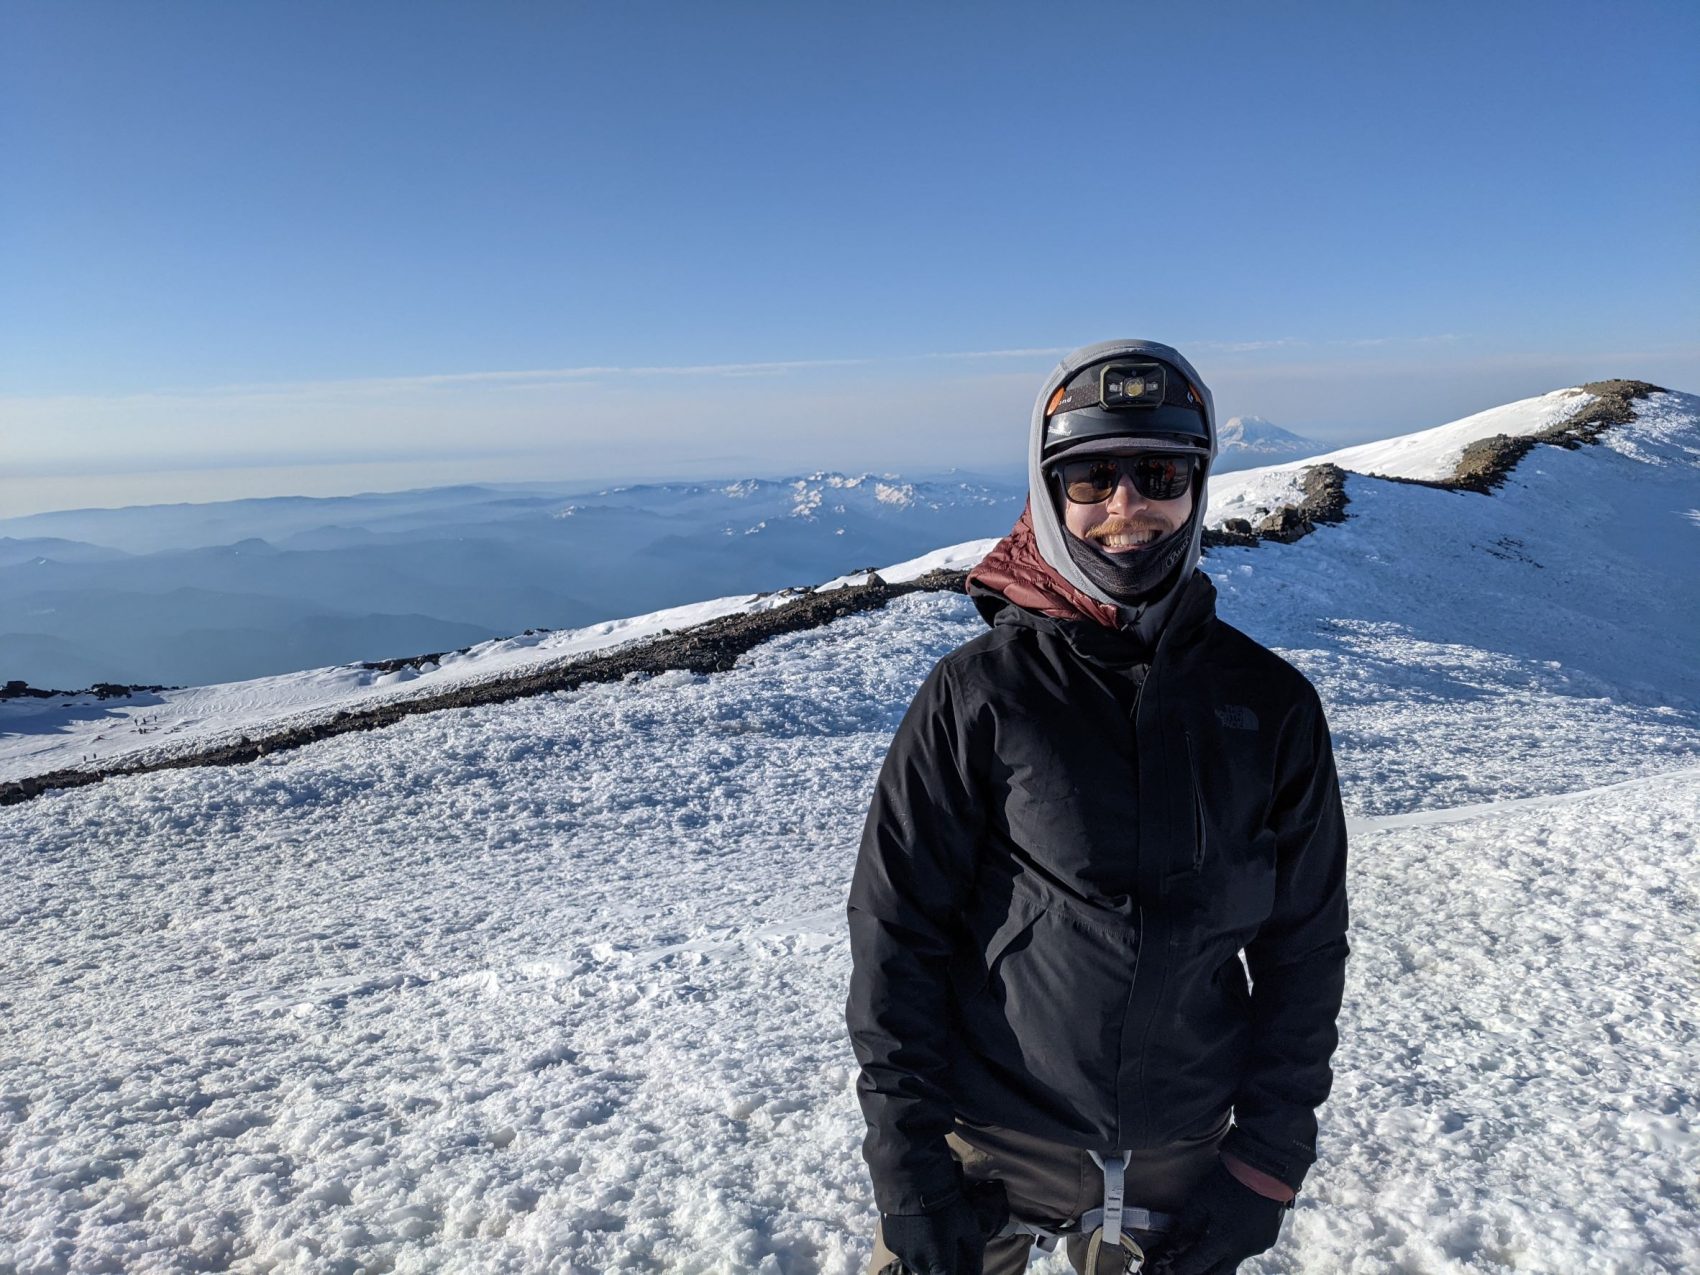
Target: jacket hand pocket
[{"x": 991, "y": 939}]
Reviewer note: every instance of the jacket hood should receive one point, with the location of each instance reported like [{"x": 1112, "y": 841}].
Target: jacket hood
[{"x": 1045, "y": 551}]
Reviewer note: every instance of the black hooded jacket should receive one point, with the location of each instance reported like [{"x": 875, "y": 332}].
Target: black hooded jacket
[{"x": 1070, "y": 843}]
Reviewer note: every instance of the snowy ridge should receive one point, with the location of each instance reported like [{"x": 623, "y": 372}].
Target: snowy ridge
[
  {"x": 557, "y": 984},
  {"x": 1430, "y": 454},
  {"x": 1685, "y": 776},
  {"x": 83, "y": 732},
  {"x": 38, "y": 735}
]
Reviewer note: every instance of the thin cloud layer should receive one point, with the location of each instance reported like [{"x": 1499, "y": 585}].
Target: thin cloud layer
[{"x": 596, "y": 422}]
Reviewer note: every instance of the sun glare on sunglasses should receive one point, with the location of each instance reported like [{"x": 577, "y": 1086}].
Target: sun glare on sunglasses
[{"x": 1156, "y": 477}]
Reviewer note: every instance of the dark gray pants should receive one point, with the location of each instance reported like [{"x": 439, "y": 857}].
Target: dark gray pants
[{"x": 1050, "y": 1184}]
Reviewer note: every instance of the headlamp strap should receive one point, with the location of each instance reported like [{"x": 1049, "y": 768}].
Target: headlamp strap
[{"x": 1083, "y": 391}]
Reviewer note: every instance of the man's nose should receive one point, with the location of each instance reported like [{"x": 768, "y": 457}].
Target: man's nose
[{"x": 1124, "y": 497}]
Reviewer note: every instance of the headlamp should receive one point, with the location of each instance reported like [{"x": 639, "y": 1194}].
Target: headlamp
[{"x": 1123, "y": 385}]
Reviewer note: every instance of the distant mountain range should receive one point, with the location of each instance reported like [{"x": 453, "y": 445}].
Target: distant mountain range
[{"x": 195, "y": 594}]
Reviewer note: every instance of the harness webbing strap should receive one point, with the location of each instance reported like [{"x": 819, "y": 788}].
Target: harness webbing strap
[
  {"x": 1103, "y": 1225},
  {"x": 1133, "y": 1219},
  {"x": 1115, "y": 1178}
]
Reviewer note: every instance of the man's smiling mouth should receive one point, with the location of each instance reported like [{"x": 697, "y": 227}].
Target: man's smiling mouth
[{"x": 1130, "y": 539}]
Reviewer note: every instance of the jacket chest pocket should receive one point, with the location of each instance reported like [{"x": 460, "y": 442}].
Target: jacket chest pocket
[
  {"x": 1076, "y": 815},
  {"x": 1200, "y": 827},
  {"x": 1227, "y": 869}
]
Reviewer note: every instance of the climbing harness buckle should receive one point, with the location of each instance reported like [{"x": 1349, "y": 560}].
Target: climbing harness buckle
[
  {"x": 1111, "y": 1251},
  {"x": 1110, "y": 1248}
]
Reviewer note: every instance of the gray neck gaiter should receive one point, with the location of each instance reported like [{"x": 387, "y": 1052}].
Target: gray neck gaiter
[{"x": 1132, "y": 578}]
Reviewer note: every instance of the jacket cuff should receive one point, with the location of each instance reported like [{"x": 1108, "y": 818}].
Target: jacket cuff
[
  {"x": 1265, "y": 1184},
  {"x": 919, "y": 1191},
  {"x": 1289, "y": 1169}
]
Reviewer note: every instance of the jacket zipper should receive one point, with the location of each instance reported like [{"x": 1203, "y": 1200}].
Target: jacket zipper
[
  {"x": 1198, "y": 832},
  {"x": 1132, "y": 1125}
]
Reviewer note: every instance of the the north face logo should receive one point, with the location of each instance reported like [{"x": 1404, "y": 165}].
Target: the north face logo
[{"x": 1236, "y": 717}]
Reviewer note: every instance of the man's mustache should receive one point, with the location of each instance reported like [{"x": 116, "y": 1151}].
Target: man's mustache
[{"x": 1118, "y": 526}]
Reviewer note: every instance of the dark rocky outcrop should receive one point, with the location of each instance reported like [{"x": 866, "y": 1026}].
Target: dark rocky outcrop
[
  {"x": 1488, "y": 462},
  {"x": 1324, "y": 501},
  {"x": 100, "y": 690}
]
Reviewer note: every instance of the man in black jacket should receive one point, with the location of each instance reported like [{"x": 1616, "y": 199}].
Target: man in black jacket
[{"x": 1095, "y": 821}]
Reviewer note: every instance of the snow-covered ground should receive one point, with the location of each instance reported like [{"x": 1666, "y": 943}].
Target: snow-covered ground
[
  {"x": 557, "y": 984},
  {"x": 55, "y": 732}
]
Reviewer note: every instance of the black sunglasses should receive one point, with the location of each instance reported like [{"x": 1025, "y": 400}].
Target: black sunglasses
[{"x": 1156, "y": 476}]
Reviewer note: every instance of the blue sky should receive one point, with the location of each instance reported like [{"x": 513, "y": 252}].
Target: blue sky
[{"x": 311, "y": 248}]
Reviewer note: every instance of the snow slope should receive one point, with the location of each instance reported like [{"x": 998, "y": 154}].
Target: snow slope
[{"x": 558, "y": 984}]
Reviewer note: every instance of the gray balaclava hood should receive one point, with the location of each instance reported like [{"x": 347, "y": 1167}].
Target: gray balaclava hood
[{"x": 1147, "y": 617}]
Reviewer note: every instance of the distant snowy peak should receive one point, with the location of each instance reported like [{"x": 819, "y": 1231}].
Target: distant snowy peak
[
  {"x": 1256, "y": 436},
  {"x": 43, "y": 550},
  {"x": 901, "y": 494}
]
